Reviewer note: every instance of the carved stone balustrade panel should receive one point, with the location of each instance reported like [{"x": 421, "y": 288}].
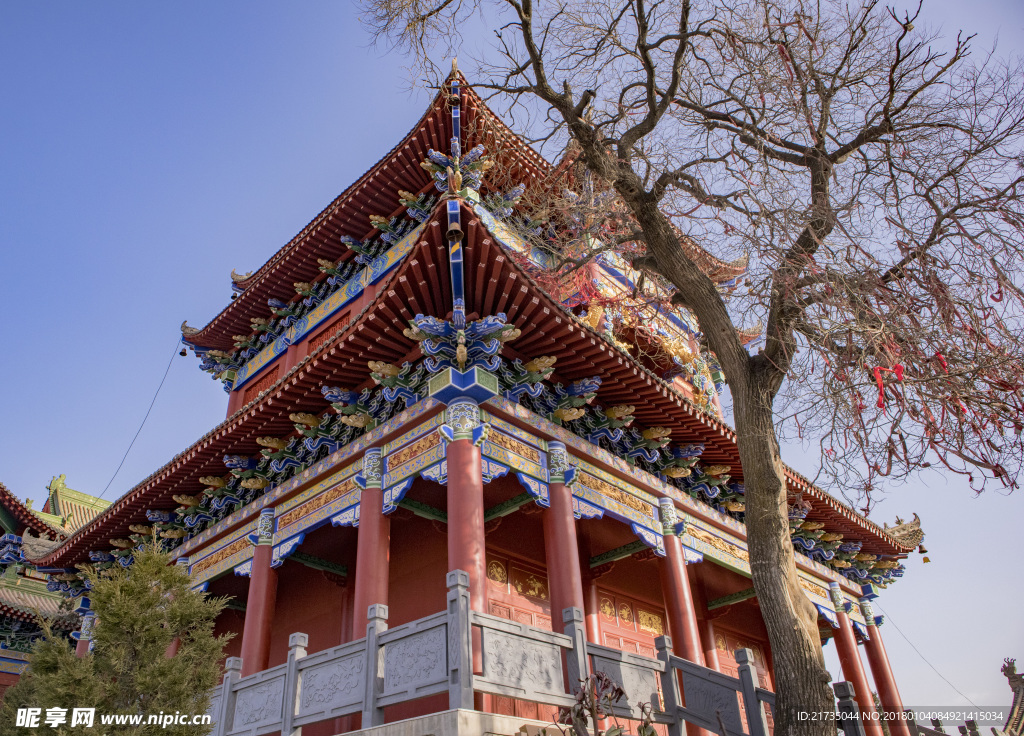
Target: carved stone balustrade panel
[
  {"x": 259, "y": 703},
  {"x": 637, "y": 675},
  {"x": 332, "y": 688}
]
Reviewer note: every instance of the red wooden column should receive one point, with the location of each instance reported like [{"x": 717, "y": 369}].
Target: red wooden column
[
  {"x": 590, "y": 575},
  {"x": 707, "y": 638},
  {"x": 466, "y": 500},
  {"x": 682, "y": 618},
  {"x": 561, "y": 550},
  {"x": 882, "y": 672},
  {"x": 853, "y": 669},
  {"x": 466, "y": 543},
  {"x": 262, "y": 599},
  {"x": 704, "y": 622},
  {"x": 172, "y": 649},
  {"x": 85, "y": 634},
  {"x": 593, "y": 610},
  {"x": 373, "y": 544}
]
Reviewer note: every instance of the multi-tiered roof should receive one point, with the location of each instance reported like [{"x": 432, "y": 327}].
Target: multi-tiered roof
[{"x": 333, "y": 308}]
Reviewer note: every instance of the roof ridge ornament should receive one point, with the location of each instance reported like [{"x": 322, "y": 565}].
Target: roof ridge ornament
[{"x": 457, "y": 170}]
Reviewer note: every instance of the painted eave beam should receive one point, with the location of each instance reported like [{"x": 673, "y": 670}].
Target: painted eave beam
[
  {"x": 317, "y": 563},
  {"x": 507, "y": 507},
  {"x": 619, "y": 553},
  {"x": 728, "y": 600},
  {"x": 424, "y": 510}
]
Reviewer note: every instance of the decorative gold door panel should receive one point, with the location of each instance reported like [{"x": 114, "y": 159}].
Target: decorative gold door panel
[
  {"x": 630, "y": 626},
  {"x": 727, "y": 642}
]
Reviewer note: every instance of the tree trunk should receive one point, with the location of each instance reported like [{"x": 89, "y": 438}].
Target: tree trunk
[{"x": 801, "y": 680}]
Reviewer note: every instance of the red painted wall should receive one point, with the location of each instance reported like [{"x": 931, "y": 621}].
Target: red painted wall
[
  {"x": 419, "y": 565},
  {"x": 231, "y": 622},
  {"x": 307, "y": 602},
  {"x": 7, "y": 680}
]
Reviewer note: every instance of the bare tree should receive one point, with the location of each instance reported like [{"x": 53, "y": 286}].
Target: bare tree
[{"x": 873, "y": 173}]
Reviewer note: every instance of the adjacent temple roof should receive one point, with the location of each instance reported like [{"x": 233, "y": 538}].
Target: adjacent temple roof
[
  {"x": 25, "y": 599},
  {"x": 37, "y": 533},
  {"x": 399, "y": 262},
  {"x": 1015, "y": 720},
  {"x": 16, "y": 517},
  {"x": 69, "y": 508}
]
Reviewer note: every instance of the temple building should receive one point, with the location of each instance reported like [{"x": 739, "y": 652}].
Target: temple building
[
  {"x": 417, "y": 412},
  {"x": 27, "y": 533}
]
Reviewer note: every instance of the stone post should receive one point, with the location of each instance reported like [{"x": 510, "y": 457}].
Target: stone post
[
  {"x": 377, "y": 623},
  {"x": 460, "y": 644},
  {"x": 297, "y": 644}
]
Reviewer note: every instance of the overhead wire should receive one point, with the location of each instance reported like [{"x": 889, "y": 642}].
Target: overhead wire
[
  {"x": 148, "y": 411},
  {"x": 934, "y": 669}
]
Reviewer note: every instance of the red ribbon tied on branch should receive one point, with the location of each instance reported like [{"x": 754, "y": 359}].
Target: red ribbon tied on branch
[{"x": 897, "y": 370}]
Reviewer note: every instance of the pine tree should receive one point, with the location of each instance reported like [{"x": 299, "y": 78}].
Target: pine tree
[{"x": 139, "y": 612}]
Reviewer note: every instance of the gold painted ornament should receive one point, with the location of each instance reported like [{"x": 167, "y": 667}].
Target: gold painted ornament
[
  {"x": 356, "y": 420},
  {"x": 541, "y": 364},
  {"x": 382, "y": 368},
  {"x": 310, "y": 420},
  {"x": 677, "y": 472}
]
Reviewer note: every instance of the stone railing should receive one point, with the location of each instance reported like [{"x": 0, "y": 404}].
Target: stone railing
[
  {"x": 428, "y": 656},
  {"x": 714, "y": 700},
  {"x": 434, "y": 655},
  {"x": 524, "y": 662}
]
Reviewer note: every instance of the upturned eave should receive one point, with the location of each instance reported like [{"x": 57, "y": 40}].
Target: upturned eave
[
  {"x": 374, "y": 193},
  {"x": 421, "y": 285}
]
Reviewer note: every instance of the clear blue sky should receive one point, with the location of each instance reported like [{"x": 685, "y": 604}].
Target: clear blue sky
[{"x": 147, "y": 149}]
